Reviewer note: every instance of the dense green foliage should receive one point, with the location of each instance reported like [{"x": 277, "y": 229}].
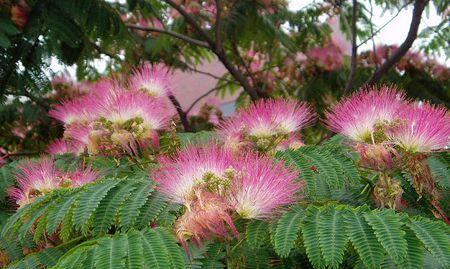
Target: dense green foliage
[{"x": 108, "y": 224}]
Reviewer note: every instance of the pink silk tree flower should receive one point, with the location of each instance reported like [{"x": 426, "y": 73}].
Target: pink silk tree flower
[
  {"x": 83, "y": 109},
  {"x": 293, "y": 142},
  {"x": 62, "y": 146},
  {"x": 136, "y": 109},
  {"x": 262, "y": 186},
  {"x": 266, "y": 124},
  {"x": 357, "y": 116},
  {"x": 423, "y": 128},
  {"x": 79, "y": 133},
  {"x": 152, "y": 80},
  {"x": 35, "y": 179},
  {"x": 81, "y": 177},
  {"x": 231, "y": 132},
  {"x": 192, "y": 167},
  {"x": 41, "y": 177},
  {"x": 207, "y": 216},
  {"x": 268, "y": 117}
]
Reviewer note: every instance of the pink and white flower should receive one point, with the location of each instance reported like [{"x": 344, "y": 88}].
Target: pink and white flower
[
  {"x": 269, "y": 120},
  {"x": 268, "y": 117},
  {"x": 34, "y": 179},
  {"x": 62, "y": 146},
  {"x": 207, "y": 216},
  {"x": 126, "y": 105},
  {"x": 81, "y": 177},
  {"x": 37, "y": 178},
  {"x": 153, "y": 80},
  {"x": 423, "y": 128},
  {"x": 79, "y": 110},
  {"x": 262, "y": 187},
  {"x": 190, "y": 168},
  {"x": 357, "y": 116},
  {"x": 231, "y": 132}
]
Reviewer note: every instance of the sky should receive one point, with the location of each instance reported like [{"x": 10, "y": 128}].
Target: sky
[{"x": 394, "y": 33}]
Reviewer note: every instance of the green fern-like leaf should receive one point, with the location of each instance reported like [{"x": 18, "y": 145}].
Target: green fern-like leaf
[
  {"x": 94, "y": 208},
  {"x": 135, "y": 258},
  {"x": 434, "y": 236},
  {"x": 324, "y": 168},
  {"x": 150, "y": 248},
  {"x": 46, "y": 258},
  {"x": 440, "y": 166},
  {"x": 111, "y": 252},
  {"x": 155, "y": 256},
  {"x": 310, "y": 232},
  {"x": 388, "y": 229},
  {"x": 255, "y": 258},
  {"x": 332, "y": 237},
  {"x": 174, "y": 252},
  {"x": 257, "y": 233},
  {"x": 58, "y": 212},
  {"x": 287, "y": 232},
  {"x": 128, "y": 214},
  {"x": 89, "y": 201},
  {"x": 416, "y": 254},
  {"x": 109, "y": 207},
  {"x": 363, "y": 239},
  {"x": 151, "y": 210}
]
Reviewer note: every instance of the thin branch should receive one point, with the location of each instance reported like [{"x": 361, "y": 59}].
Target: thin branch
[
  {"x": 374, "y": 49},
  {"x": 170, "y": 33},
  {"x": 183, "y": 115},
  {"x": 419, "y": 6},
  {"x": 191, "y": 20},
  {"x": 351, "y": 76},
  {"x": 220, "y": 53},
  {"x": 201, "y": 97},
  {"x": 193, "y": 69},
  {"x": 385, "y": 24},
  {"x": 235, "y": 50},
  {"x": 218, "y": 45},
  {"x": 40, "y": 102},
  {"x": 102, "y": 51}
]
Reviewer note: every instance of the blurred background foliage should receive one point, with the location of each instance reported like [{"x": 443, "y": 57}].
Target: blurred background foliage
[{"x": 279, "y": 52}]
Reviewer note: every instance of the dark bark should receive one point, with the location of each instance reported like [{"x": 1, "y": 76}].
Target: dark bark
[
  {"x": 183, "y": 115},
  {"x": 419, "y": 6},
  {"x": 217, "y": 48}
]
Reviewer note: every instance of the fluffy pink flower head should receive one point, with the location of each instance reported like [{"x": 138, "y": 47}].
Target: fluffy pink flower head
[
  {"x": 83, "y": 109},
  {"x": 269, "y": 117},
  {"x": 102, "y": 89},
  {"x": 153, "y": 80},
  {"x": 81, "y": 177},
  {"x": 41, "y": 177},
  {"x": 262, "y": 186},
  {"x": 231, "y": 132},
  {"x": 62, "y": 146},
  {"x": 126, "y": 106},
  {"x": 207, "y": 216},
  {"x": 265, "y": 124},
  {"x": 193, "y": 167},
  {"x": 35, "y": 179},
  {"x": 376, "y": 156},
  {"x": 357, "y": 116},
  {"x": 293, "y": 142},
  {"x": 422, "y": 128}
]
